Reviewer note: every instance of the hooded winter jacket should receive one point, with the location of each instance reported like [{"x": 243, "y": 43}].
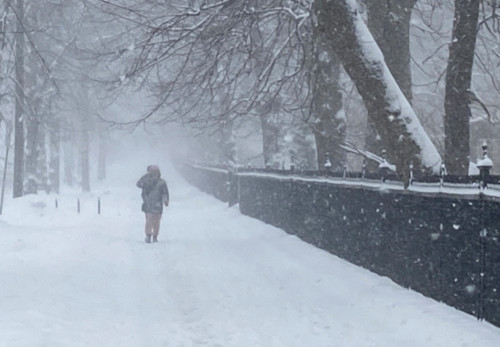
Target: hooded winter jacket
[{"x": 154, "y": 192}]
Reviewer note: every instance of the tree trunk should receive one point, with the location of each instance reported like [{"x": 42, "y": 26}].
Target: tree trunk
[
  {"x": 458, "y": 83},
  {"x": 41, "y": 172},
  {"x": 101, "y": 164},
  {"x": 32, "y": 145},
  {"x": 69, "y": 163},
  {"x": 55, "y": 154},
  {"x": 329, "y": 126},
  {"x": 270, "y": 141},
  {"x": 19, "y": 109},
  {"x": 400, "y": 130},
  {"x": 389, "y": 23},
  {"x": 85, "y": 160},
  {"x": 228, "y": 144}
]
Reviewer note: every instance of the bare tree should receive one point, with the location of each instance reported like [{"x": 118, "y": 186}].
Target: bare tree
[
  {"x": 46, "y": 66},
  {"x": 432, "y": 35},
  {"x": 187, "y": 54},
  {"x": 193, "y": 51},
  {"x": 400, "y": 130}
]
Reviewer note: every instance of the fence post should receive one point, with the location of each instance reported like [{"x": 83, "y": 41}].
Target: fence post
[
  {"x": 442, "y": 173},
  {"x": 383, "y": 167},
  {"x": 328, "y": 163},
  {"x": 483, "y": 234},
  {"x": 482, "y": 268},
  {"x": 484, "y": 165},
  {"x": 411, "y": 173}
]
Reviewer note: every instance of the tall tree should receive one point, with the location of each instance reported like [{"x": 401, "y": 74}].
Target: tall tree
[
  {"x": 197, "y": 49},
  {"x": 400, "y": 130},
  {"x": 458, "y": 84}
]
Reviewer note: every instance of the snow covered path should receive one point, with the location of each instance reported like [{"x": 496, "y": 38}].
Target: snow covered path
[{"x": 216, "y": 278}]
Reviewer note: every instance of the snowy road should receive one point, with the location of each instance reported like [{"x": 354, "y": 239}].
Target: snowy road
[{"x": 215, "y": 279}]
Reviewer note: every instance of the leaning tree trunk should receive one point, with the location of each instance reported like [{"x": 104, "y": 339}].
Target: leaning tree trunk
[
  {"x": 399, "y": 128},
  {"x": 328, "y": 118},
  {"x": 389, "y": 23},
  {"x": 458, "y": 83}
]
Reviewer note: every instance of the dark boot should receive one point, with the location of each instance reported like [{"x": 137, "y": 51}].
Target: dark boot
[
  {"x": 155, "y": 238},
  {"x": 148, "y": 239}
]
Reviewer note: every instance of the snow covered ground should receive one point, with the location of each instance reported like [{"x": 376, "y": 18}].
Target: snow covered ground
[{"x": 216, "y": 278}]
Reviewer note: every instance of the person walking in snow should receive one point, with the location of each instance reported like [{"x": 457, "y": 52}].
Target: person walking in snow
[{"x": 154, "y": 196}]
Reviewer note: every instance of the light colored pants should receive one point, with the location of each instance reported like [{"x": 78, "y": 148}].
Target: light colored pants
[{"x": 152, "y": 223}]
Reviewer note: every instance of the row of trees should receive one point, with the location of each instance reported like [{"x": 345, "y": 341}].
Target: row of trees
[
  {"x": 212, "y": 63},
  {"x": 48, "y": 100},
  {"x": 305, "y": 74}
]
